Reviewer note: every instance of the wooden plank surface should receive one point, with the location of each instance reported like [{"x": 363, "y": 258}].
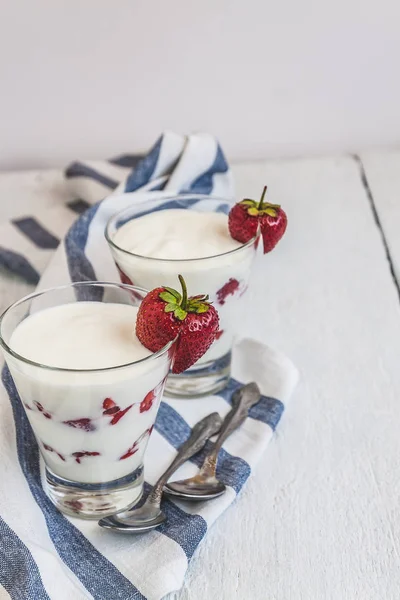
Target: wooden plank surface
[
  {"x": 382, "y": 172},
  {"x": 319, "y": 519}
]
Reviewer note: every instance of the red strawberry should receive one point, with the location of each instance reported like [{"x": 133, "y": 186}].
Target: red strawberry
[
  {"x": 248, "y": 215},
  {"x": 165, "y": 314}
]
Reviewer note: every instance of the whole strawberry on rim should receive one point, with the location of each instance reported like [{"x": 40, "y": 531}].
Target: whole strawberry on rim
[
  {"x": 165, "y": 315},
  {"x": 246, "y": 217}
]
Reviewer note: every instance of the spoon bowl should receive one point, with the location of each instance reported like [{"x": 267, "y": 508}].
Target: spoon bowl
[
  {"x": 133, "y": 521},
  {"x": 195, "y": 488}
]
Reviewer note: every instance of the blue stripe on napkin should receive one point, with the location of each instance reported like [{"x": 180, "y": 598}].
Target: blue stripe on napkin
[
  {"x": 144, "y": 169},
  {"x": 19, "y": 573},
  {"x": 129, "y": 161},
  {"x": 78, "y": 169},
  {"x": 18, "y": 264},
  {"x": 184, "y": 528},
  {"x": 38, "y": 234},
  {"x": 204, "y": 183},
  {"x": 78, "y": 206},
  {"x": 100, "y": 577},
  {"x": 79, "y": 266}
]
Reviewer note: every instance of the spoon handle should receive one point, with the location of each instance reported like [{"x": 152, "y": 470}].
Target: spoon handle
[
  {"x": 242, "y": 400},
  {"x": 203, "y": 430}
]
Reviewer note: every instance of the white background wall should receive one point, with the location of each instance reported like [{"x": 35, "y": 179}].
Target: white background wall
[{"x": 91, "y": 78}]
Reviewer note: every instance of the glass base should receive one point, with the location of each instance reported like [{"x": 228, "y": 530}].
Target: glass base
[
  {"x": 200, "y": 380},
  {"x": 94, "y": 501}
]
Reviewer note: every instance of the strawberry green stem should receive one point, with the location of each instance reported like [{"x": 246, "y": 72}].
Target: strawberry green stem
[
  {"x": 260, "y": 204},
  {"x": 184, "y": 292}
]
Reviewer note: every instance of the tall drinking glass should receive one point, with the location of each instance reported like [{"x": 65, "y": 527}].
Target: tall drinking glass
[
  {"x": 92, "y": 425},
  {"x": 224, "y": 277}
]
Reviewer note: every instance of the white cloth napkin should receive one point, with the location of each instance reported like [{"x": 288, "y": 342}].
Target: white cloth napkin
[{"x": 44, "y": 554}]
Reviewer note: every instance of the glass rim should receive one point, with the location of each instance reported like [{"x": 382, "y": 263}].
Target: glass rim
[
  {"x": 75, "y": 284},
  {"x": 174, "y": 260}
]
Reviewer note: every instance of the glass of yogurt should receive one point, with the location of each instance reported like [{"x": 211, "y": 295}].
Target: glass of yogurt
[
  {"x": 151, "y": 242},
  {"x": 90, "y": 390}
]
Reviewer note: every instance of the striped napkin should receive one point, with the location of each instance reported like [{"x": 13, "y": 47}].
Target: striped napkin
[{"x": 44, "y": 554}]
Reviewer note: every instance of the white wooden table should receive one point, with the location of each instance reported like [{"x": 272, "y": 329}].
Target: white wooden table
[{"x": 320, "y": 518}]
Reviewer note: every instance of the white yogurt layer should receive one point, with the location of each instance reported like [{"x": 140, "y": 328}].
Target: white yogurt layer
[
  {"x": 81, "y": 335},
  {"x": 92, "y": 426},
  {"x": 177, "y": 234},
  {"x": 198, "y": 246}
]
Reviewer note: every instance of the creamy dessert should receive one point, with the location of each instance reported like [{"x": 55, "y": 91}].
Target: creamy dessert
[
  {"x": 150, "y": 250},
  {"x": 93, "y": 413}
]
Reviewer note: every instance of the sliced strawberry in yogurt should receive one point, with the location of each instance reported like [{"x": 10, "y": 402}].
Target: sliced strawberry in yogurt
[
  {"x": 79, "y": 455},
  {"x": 85, "y": 424},
  {"x": 129, "y": 452},
  {"x": 229, "y": 289},
  {"x": 108, "y": 403},
  {"x": 74, "y": 505},
  {"x": 51, "y": 449},
  {"x": 119, "y": 415},
  {"x": 123, "y": 277},
  {"x": 135, "y": 447},
  {"x": 147, "y": 401},
  {"x": 40, "y": 408}
]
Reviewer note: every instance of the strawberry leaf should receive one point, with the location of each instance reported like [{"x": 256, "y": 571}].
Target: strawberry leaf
[
  {"x": 180, "y": 314},
  {"x": 203, "y": 308},
  {"x": 168, "y": 297},
  {"x": 170, "y": 307},
  {"x": 270, "y": 211},
  {"x": 252, "y": 211},
  {"x": 173, "y": 292}
]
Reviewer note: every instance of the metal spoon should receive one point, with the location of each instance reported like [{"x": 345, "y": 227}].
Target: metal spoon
[
  {"x": 205, "y": 485},
  {"x": 150, "y": 515}
]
